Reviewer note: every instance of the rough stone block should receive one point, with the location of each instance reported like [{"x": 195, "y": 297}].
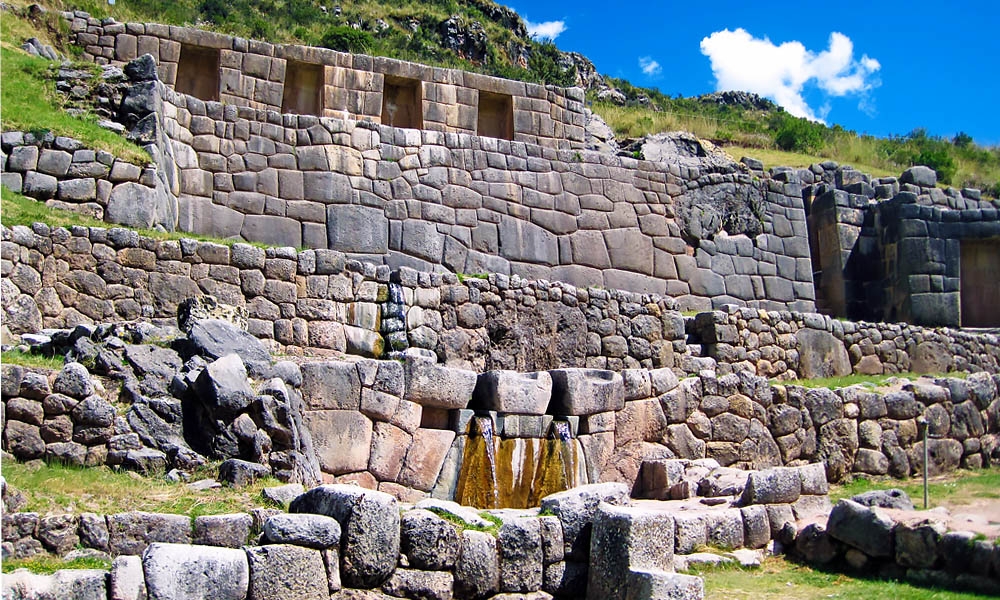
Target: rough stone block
[
  {"x": 513, "y": 392},
  {"x": 181, "y": 571},
  {"x": 624, "y": 539},
  {"x": 369, "y": 522},
  {"x": 586, "y": 391},
  {"x": 435, "y": 386},
  {"x": 282, "y": 572}
]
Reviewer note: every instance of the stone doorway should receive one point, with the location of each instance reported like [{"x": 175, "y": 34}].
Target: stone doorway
[
  {"x": 496, "y": 116},
  {"x": 198, "y": 72},
  {"x": 303, "y": 93},
  {"x": 980, "y": 283},
  {"x": 402, "y": 103}
]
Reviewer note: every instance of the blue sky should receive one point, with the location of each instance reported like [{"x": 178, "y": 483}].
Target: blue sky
[{"x": 874, "y": 67}]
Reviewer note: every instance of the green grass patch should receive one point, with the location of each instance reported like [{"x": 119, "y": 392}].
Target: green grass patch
[
  {"x": 855, "y": 379},
  {"x": 463, "y": 277},
  {"x": 778, "y": 578},
  {"x": 16, "y": 209},
  {"x": 28, "y": 359},
  {"x": 493, "y": 528},
  {"x": 957, "y": 488},
  {"x": 29, "y": 102},
  {"x": 57, "y": 488},
  {"x": 47, "y": 564}
]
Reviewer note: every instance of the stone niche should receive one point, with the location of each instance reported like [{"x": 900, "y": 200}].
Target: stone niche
[
  {"x": 402, "y": 103},
  {"x": 980, "y": 286},
  {"x": 303, "y": 93},
  {"x": 198, "y": 72},
  {"x": 496, "y": 116}
]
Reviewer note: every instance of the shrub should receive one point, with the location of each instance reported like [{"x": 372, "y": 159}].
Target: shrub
[
  {"x": 347, "y": 39},
  {"x": 939, "y": 159},
  {"x": 799, "y": 135}
]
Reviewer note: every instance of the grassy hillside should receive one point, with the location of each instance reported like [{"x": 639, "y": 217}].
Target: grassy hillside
[{"x": 765, "y": 131}]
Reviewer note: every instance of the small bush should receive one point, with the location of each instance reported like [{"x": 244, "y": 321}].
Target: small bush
[
  {"x": 938, "y": 159},
  {"x": 799, "y": 135},
  {"x": 347, "y": 39}
]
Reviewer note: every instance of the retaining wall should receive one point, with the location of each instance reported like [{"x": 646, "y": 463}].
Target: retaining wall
[{"x": 325, "y": 83}]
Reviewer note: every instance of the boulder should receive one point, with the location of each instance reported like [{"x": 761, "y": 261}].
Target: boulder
[
  {"x": 283, "y": 494},
  {"x": 74, "y": 381},
  {"x": 78, "y": 584},
  {"x": 863, "y": 528},
  {"x": 182, "y": 571},
  {"x": 917, "y": 543},
  {"x": 312, "y": 531},
  {"x": 920, "y": 176},
  {"x": 223, "y": 388},
  {"x": 130, "y": 533},
  {"x": 821, "y": 355},
  {"x": 239, "y": 473},
  {"x": 283, "y": 572},
  {"x": 428, "y": 541},
  {"x": 891, "y": 498},
  {"x": 369, "y": 522},
  {"x": 814, "y": 545},
  {"x": 215, "y": 338}
]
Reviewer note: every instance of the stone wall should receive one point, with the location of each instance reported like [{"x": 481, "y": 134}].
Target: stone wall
[
  {"x": 325, "y": 83},
  {"x": 64, "y": 174},
  {"x": 891, "y": 249}
]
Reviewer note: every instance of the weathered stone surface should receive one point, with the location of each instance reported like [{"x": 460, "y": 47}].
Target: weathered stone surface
[
  {"x": 331, "y": 385},
  {"x": 228, "y": 531},
  {"x": 74, "y": 381},
  {"x": 130, "y": 533},
  {"x": 428, "y": 585},
  {"x": 342, "y": 439},
  {"x": 310, "y": 530},
  {"x": 78, "y": 584},
  {"x": 576, "y": 508},
  {"x": 821, "y": 355},
  {"x": 650, "y": 584},
  {"x": 520, "y": 546},
  {"x": 182, "y": 571},
  {"x": 477, "y": 571},
  {"x": 624, "y": 539},
  {"x": 814, "y": 545},
  {"x": 586, "y": 391},
  {"x": 436, "y": 386},
  {"x": 223, "y": 387},
  {"x": 866, "y": 529},
  {"x": 369, "y": 522},
  {"x": 917, "y": 543},
  {"x": 513, "y": 392},
  {"x": 126, "y": 580},
  {"x": 428, "y": 541},
  {"x": 216, "y": 338},
  {"x": 283, "y": 572},
  {"x": 891, "y": 498}
]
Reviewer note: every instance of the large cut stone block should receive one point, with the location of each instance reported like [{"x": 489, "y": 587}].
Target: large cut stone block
[
  {"x": 575, "y": 509},
  {"x": 586, "y": 391},
  {"x": 524, "y": 241},
  {"x": 513, "y": 392},
  {"x": 432, "y": 385},
  {"x": 627, "y": 539},
  {"x": 369, "y": 521},
  {"x": 182, "y": 571},
  {"x": 331, "y": 385},
  {"x": 425, "y": 458},
  {"x": 649, "y": 584},
  {"x": 867, "y": 529},
  {"x": 284, "y": 572},
  {"x": 357, "y": 229},
  {"x": 342, "y": 439},
  {"x": 821, "y": 355}
]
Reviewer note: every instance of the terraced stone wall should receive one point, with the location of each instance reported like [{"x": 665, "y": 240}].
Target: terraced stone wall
[{"x": 324, "y": 83}]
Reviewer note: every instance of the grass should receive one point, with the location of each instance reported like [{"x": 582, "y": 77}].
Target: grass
[
  {"x": 959, "y": 487},
  {"x": 30, "y": 102},
  {"x": 834, "y": 383},
  {"x": 16, "y": 209},
  {"x": 55, "y": 488},
  {"x": 27, "y": 359},
  {"x": 46, "y": 564},
  {"x": 778, "y": 578}
]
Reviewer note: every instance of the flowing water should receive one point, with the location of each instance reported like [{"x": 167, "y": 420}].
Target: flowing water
[{"x": 518, "y": 472}]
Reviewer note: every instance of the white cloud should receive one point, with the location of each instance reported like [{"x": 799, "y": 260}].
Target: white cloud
[
  {"x": 649, "y": 66},
  {"x": 549, "y": 30},
  {"x": 780, "y": 72}
]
